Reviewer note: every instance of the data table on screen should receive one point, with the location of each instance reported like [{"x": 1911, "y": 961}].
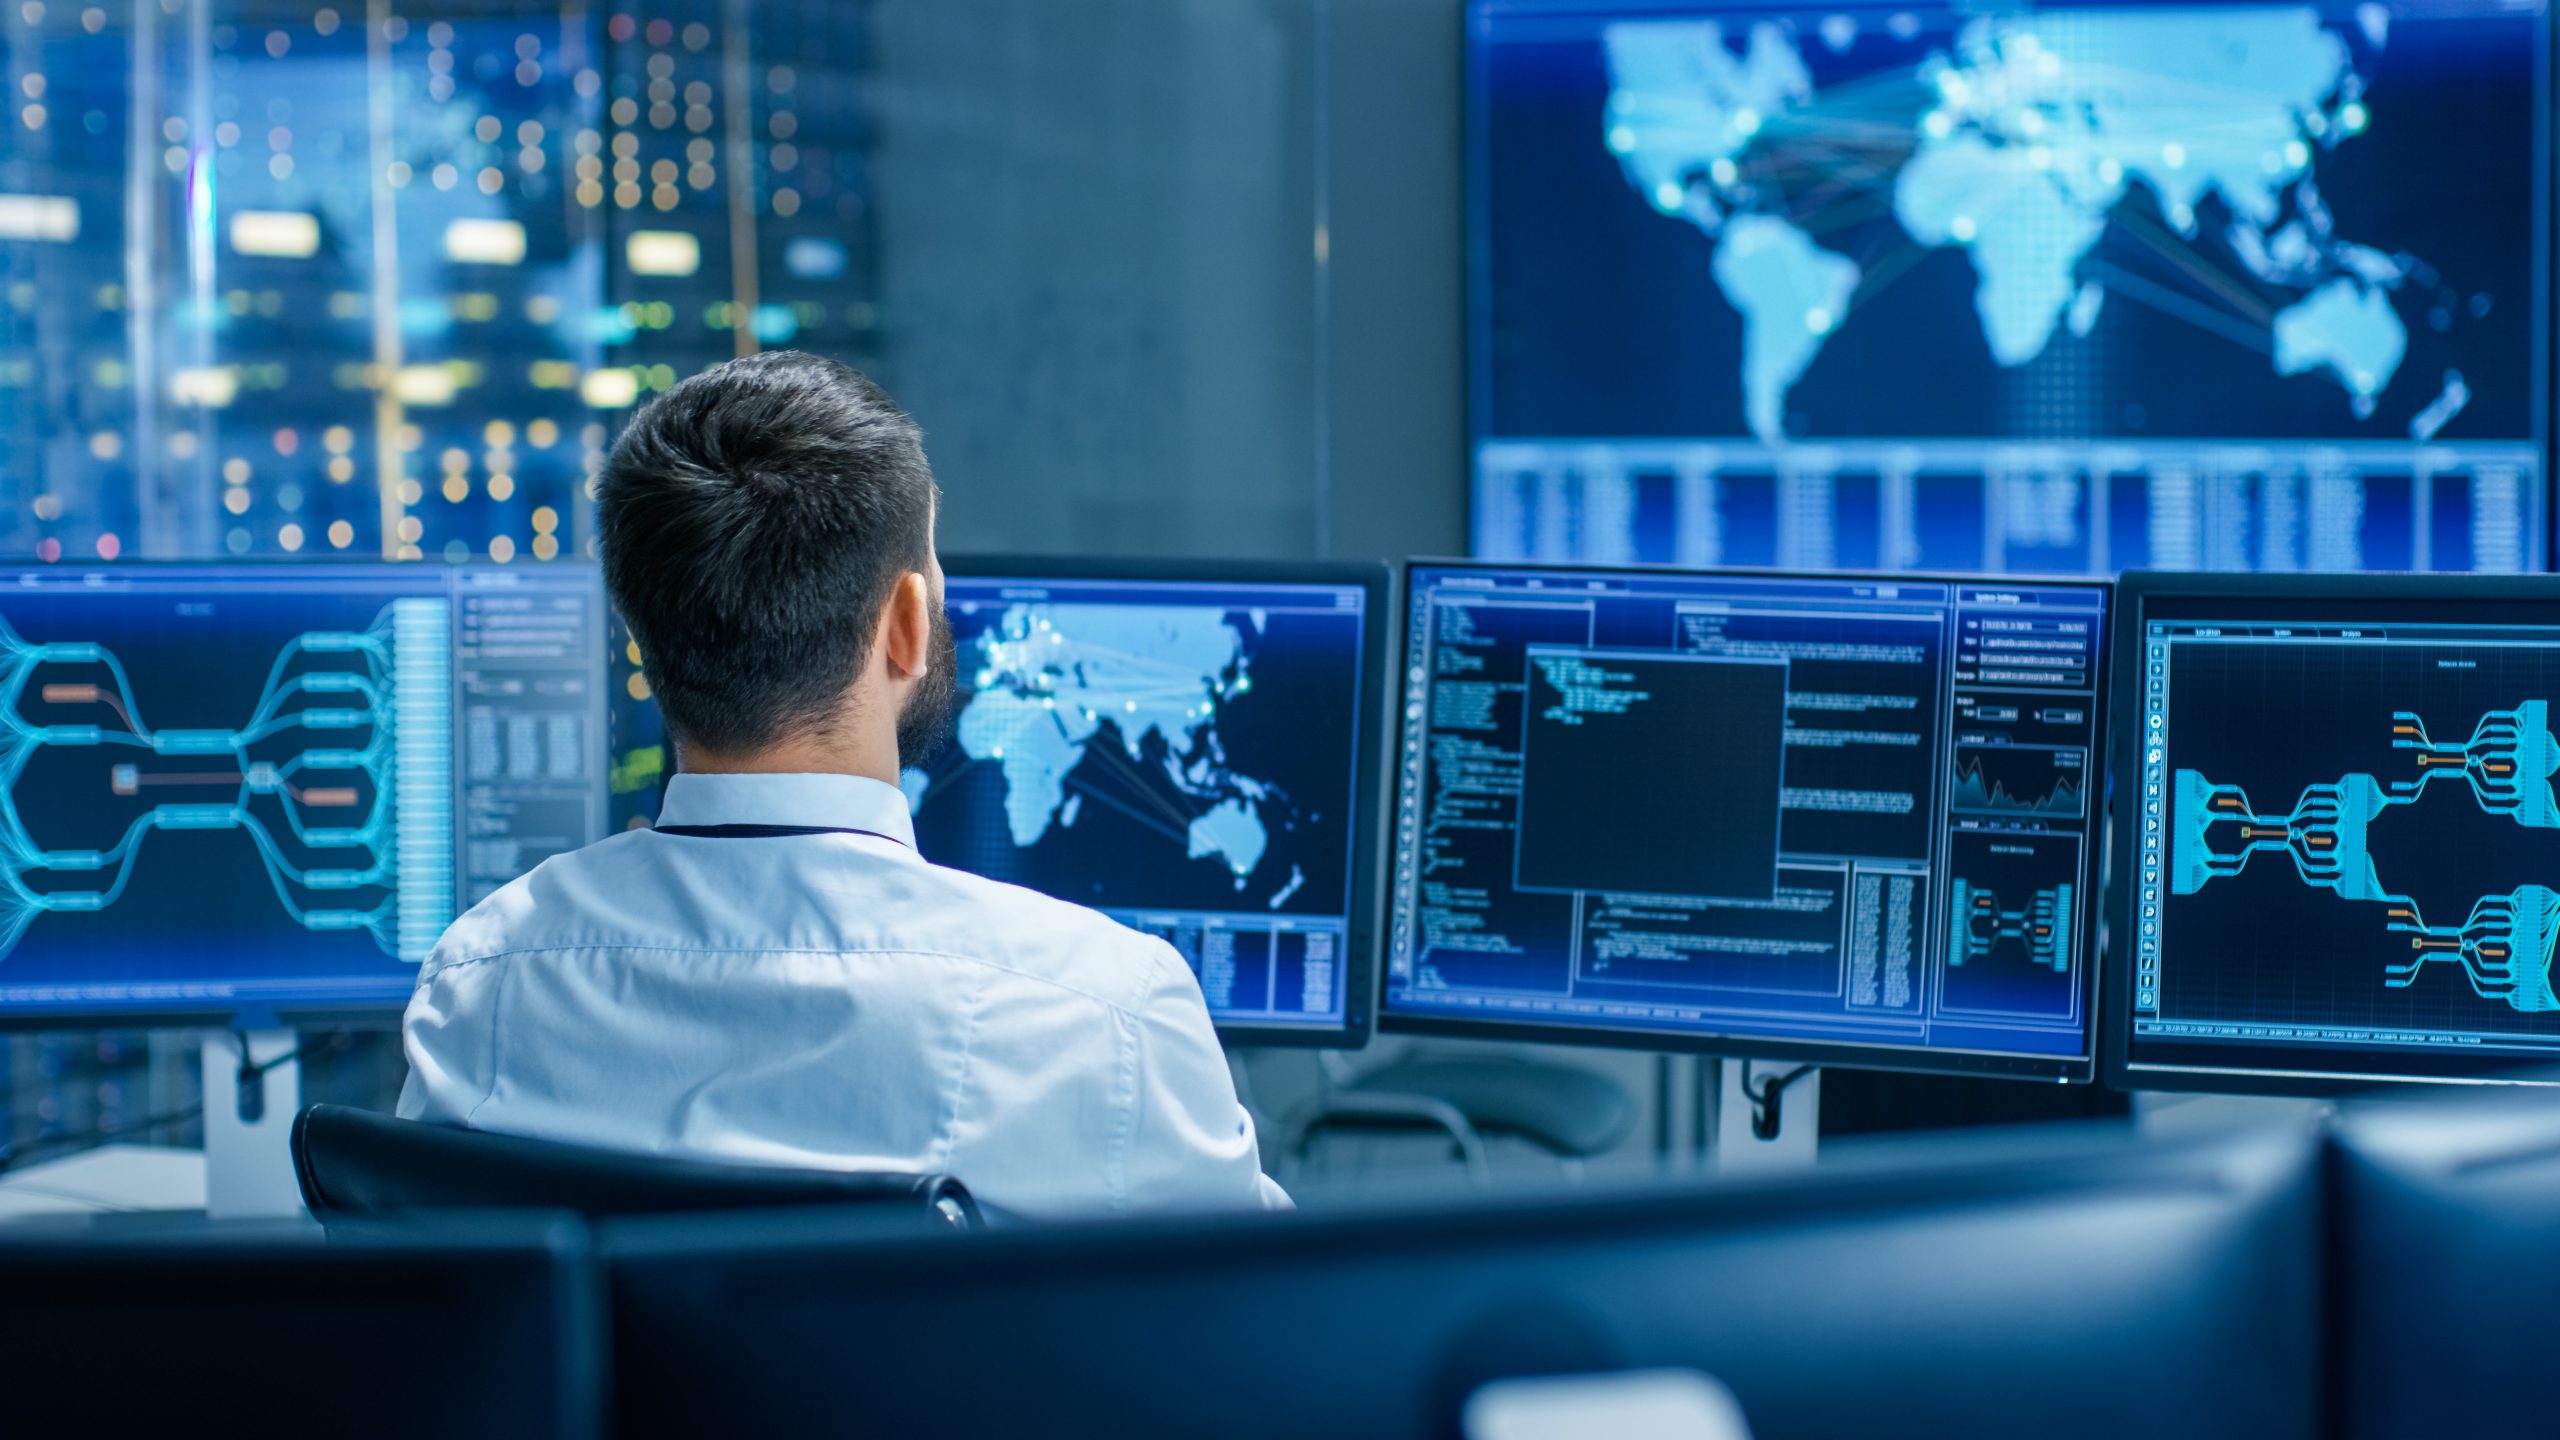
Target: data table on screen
[{"x": 1830, "y": 816}]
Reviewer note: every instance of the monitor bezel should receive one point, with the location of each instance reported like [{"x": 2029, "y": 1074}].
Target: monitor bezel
[
  {"x": 1906, "y": 1059},
  {"x": 2117, "y": 1068},
  {"x": 1366, "y": 894},
  {"x": 255, "y": 1015}
]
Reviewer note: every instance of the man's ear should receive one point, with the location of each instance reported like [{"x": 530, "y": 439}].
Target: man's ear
[{"x": 906, "y": 627}]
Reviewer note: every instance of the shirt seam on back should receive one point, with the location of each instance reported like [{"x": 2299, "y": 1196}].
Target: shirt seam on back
[
  {"x": 434, "y": 971},
  {"x": 948, "y": 1143},
  {"x": 1127, "y": 1110},
  {"x": 497, "y": 1018}
]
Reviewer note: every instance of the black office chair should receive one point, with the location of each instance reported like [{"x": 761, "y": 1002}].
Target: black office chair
[{"x": 355, "y": 1164}]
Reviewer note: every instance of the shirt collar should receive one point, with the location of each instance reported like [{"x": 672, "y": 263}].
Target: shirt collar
[{"x": 849, "y": 802}]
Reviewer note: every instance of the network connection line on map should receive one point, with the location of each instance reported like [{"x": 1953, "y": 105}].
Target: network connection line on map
[
  {"x": 1980, "y": 925},
  {"x": 315, "y": 897},
  {"x": 2504, "y": 946},
  {"x": 1048, "y": 677},
  {"x": 2037, "y": 129}
]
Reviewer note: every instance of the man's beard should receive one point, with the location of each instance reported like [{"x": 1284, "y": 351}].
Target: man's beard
[{"x": 925, "y": 722}]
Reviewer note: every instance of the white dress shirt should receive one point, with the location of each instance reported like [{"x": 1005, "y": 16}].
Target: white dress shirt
[{"x": 830, "y": 1001}]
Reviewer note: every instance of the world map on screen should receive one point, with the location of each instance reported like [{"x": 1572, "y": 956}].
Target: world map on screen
[
  {"x": 2035, "y": 127},
  {"x": 1051, "y": 683}
]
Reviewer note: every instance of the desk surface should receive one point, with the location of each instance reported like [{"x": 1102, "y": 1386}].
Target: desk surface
[{"x": 109, "y": 1179}]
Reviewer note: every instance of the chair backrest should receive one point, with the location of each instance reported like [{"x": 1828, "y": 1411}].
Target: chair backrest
[{"x": 355, "y": 1163}]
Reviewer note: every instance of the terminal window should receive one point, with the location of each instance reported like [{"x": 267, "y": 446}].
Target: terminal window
[
  {"x": 2348, "y": 838},
  {"x": 1832, "y": 811},
  {"x": 2051, "y": 290},
  {"x": 1182, "y": 757},
  {"x": 273, "y": 787},
  {"x": 1699, "y": 820}
]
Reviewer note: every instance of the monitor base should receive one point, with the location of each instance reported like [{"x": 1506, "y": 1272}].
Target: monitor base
[
  {"x": 248, "y": 1125},
  {"x": 1739, "y": 1148}
]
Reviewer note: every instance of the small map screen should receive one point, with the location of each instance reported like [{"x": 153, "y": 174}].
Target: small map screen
[{"x": 1180, "y": 756}]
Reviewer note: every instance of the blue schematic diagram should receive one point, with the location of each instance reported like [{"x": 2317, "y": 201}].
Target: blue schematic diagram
[
  {"x": 2504, "y": 946},
  {"x": 2042, "y": 928},
  {"x": 339, "y": 777},
  {"x": 256, "y": 790}
]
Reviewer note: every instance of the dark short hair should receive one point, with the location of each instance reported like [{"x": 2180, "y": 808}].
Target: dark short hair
[{"x": 754, "y": 521}]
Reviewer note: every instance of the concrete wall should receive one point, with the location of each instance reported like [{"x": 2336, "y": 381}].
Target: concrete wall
[{"x": 1177, "y": 277}]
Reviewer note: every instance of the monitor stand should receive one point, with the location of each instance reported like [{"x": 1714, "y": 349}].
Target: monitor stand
[
  {"x": 1739, "y": 1148},
  {"x": 248, "y": 1128}
]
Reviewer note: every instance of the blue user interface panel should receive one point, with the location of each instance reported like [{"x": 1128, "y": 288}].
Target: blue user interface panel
[
  {"x": 2348, "y": 841},
  {"x": 269, "y": 787},
  {"x": 2022, "y": 289},
  {"x": 1182, "y": 756},
  {"x": 1846, "y": 819}
]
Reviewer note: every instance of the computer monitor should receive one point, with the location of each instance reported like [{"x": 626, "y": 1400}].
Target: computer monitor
[
  {"x": 258, "y": 792},
  {"x": 2447, "y": 1208},
  {"x": 1189, "y": 747},
  {"x": 1847, "y": 820},
  {"x": 2016, "y": 1287},
  {"x": 185, "y": 1326},
  {"x": 2029, "y": 289},
  {"x": 2337, "y": 838}
]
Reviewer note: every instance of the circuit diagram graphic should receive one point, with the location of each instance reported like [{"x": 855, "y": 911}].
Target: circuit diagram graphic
[
  {"x": 2504, "y": 946},
  {"x": 1980, "y": 925},
  {"x": 340, "y": 777}
]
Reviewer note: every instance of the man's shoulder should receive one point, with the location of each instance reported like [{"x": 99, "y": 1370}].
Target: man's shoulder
[
  {"x": 554, "y": 903},
  {"x": 1043, "y": 936},
  {"x": 625, "y": 893}
]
